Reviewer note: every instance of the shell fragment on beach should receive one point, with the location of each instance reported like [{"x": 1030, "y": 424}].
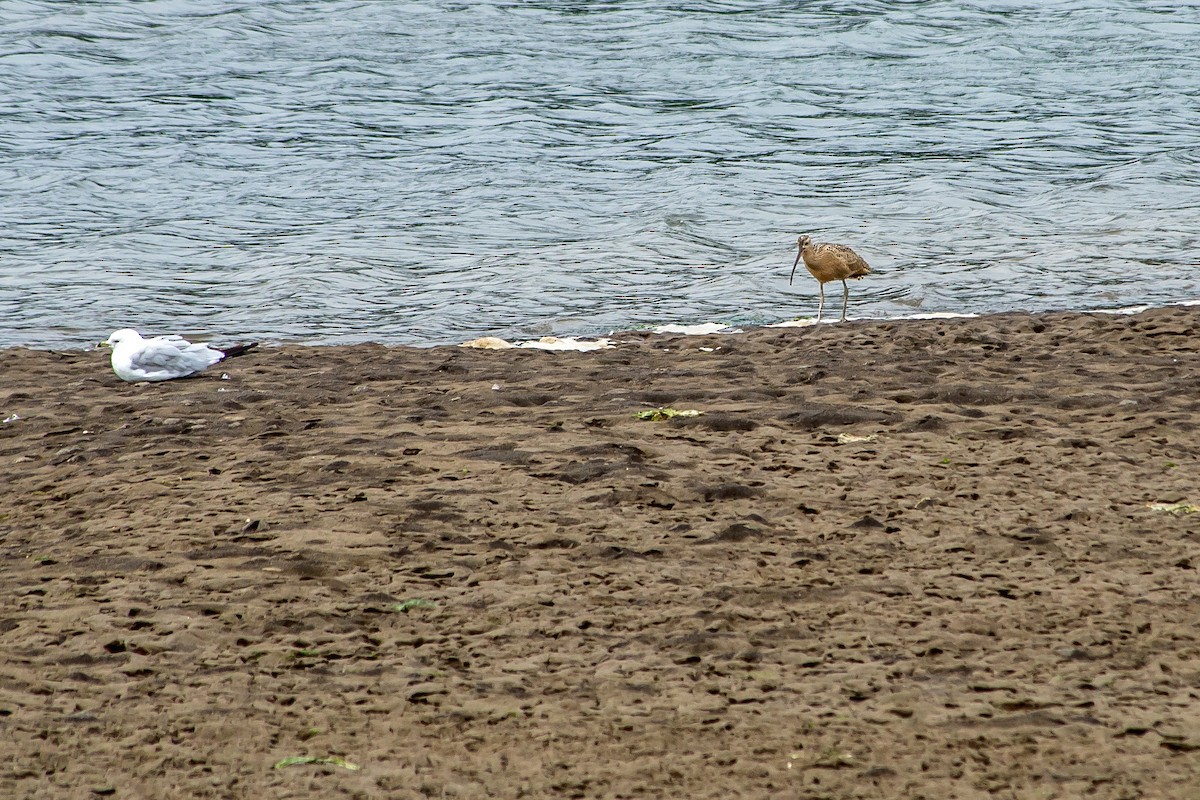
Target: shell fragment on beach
[
  {"x": 488, "y": 343},
  {"x": 655, "y": 414},
  {"x": 571, "y": 343},
  {"x": 332, "y": 761}
]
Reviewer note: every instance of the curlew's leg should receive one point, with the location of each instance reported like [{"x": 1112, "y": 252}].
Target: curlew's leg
[
  {"x": 821, "y": 305},
  {"x": 845, "y": 298}
]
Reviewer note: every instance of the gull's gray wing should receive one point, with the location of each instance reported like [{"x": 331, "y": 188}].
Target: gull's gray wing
[{"x": 164, "y": 354}]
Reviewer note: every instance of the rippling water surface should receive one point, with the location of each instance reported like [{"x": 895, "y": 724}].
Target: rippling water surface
[{"x": 425, "y": 172}]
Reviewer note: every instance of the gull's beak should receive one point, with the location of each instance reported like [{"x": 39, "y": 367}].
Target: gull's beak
[
  {"x": 103, "y": 344},
  {"x": 794, "y": 265}
]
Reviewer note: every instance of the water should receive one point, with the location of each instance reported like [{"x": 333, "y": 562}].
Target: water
[{"x": 426, "y": 172}]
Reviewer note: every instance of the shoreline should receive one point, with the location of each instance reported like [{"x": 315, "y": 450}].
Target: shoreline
[
  {"x": 668, "y": 328},
  {"x": 889, "y": 558}
]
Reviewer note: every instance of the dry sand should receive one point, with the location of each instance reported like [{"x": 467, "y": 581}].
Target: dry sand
[{"x": 970, "y": 596}]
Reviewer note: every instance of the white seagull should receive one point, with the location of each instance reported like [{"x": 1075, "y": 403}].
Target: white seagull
[{"x": 163, "y": 357}]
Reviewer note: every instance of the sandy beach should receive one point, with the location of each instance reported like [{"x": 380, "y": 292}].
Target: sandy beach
[{"x": 918, "y": 559}]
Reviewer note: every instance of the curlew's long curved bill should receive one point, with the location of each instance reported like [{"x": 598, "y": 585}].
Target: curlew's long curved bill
[{"x": 794, "y": 265}]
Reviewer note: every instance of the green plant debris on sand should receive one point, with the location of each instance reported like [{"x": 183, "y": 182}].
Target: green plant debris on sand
[
  {"x": 655, "y": 414},
  {"x": 333, "y": 761},
  {"x": 416, "y": 602},
  {"x": 1175, "y": 508}
]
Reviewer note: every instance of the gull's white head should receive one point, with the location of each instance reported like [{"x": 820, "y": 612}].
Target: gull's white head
[{"x": 123, "y": 336}]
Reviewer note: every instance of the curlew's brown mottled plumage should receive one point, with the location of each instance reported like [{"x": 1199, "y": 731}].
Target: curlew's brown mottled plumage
[{"x": 830, "y": 262}]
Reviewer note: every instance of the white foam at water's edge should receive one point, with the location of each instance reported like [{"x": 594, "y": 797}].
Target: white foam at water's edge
[
  {"x": 586, "y": 344},
  {"x": 700, "y": 329},
  {"x": 804, "y": 322},
  {"x": 1128, "y": 310}
]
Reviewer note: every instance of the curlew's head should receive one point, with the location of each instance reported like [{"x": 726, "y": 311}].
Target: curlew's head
[{"x": 803, "y": 240}]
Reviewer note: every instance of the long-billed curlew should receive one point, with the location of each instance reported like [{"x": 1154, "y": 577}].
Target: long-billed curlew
[{"x": 830, "y": 262}]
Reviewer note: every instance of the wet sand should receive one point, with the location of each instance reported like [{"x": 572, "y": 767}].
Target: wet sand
[{"x": 889, "y": 559}]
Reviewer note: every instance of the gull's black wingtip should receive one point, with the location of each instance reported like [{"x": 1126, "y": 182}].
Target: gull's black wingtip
[{"x": 239, "y": 349}]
